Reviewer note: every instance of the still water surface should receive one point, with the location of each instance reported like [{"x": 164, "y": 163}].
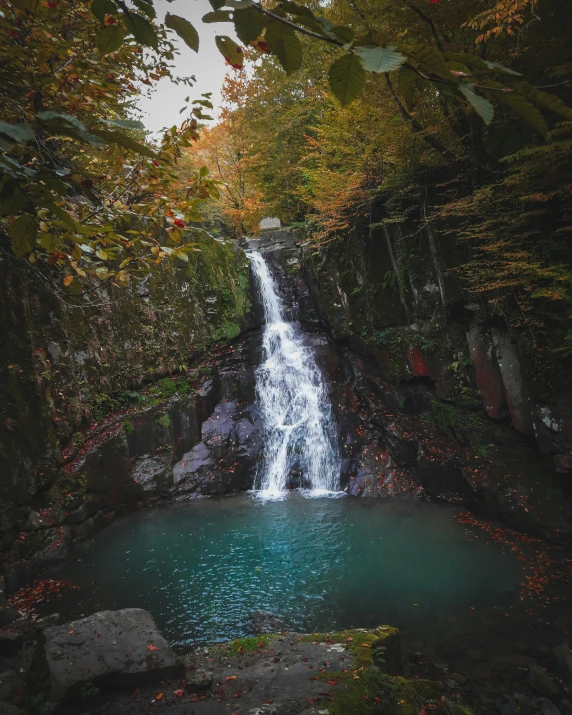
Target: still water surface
[{"x": 202, "y": 568}]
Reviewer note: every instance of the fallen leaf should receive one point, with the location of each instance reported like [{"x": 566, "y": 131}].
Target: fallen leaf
[
  {"x": 159, "y": 696},
  {"x": 179, "y": 693},
  {"x": 230, "y": 677},
  {"x": 332, "y": 682},
  {"x": 152, "y": 647}
]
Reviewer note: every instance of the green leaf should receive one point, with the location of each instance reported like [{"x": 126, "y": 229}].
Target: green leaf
[
  {"x": 543, "y": 99},
  {"x": 12, "y": 199},
  {"x": 482, "y": 106},
  {"x": 67, "y": 125},
  {"x": 50, "y": 242},
  {"x": 117, "y": 137},
  {"x": 29, "y": 5},
  {"x": 146, "y": 7},
  {"x": 347, "y": 78},
  {"x": 230, "y": 50},
  {"x": 184, "y": 30},
  {"x": 239, "y": 4},
  {"x": 248, "y": 24},
  {"x": 344, "y": 34},
  {"x": 524, "y": 109},
  {"x": 428, "y": 60},
  {"x": 125, "y": 123},
  {"x": 501, "y": 68},
  {"x": 217, "y": 4},
  {"x": 298, "y": 10},
  {"x": 379, "y": 59},
  {"x": 20, "y": 133},
  {"x": 109, "y": 39},
  {"x": 141, "y": 29},
  {"x": 407, "y": 84},
  {"x": 283, "y": 42},
  {"x": 218, "y": 16},
  {"x": 23, "y": 234},
  {"x": 101, "y": 8},
  {"x": 475, "y": 62}
]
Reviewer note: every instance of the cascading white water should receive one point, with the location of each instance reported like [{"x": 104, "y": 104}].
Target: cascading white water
[{"x": 299, "y": 430}]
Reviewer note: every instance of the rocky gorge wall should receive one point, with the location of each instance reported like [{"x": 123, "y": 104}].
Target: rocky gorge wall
[
  {"x": 432, "y": 398},
  {"x": 455, "y": 396},
  {"x": 72, "y": 372}
]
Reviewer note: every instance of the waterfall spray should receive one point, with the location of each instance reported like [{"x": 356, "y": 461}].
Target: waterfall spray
[{"x": 299, "y": 430}]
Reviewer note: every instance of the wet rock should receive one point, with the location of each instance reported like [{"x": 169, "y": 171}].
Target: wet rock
[
  {"x": 543, "y": 683},
  {"x": 264, "y": 622},
  {"x": 442, "y": 477},
  {"x": 153, "y": 472},
  {"x": 547, "y": 707},
  {"x": 7, "y": 613},
  {"x": 477, "y": 655},
  {"x": 196, "y": 678},
  {"x": 11, "y": 640},
  {"x": 55, "y": 544},
  {"x": 199, "y": 458},
  {"x": 10, "y": 683},
  {"x": 482, "y": 672},
  {"x": 563, "y": 659},
  {"x": 113, "y": 648}
]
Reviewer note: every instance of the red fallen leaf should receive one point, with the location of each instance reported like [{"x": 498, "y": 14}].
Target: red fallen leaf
[
  {"x": 377, "y": 700},
  {"x": 69, "y": 632},
  {"x": 332, "y": 682},
  {"x": 349, "y": 640},
  {"x": 268, "y": 702},
  {"x": 365, "y": 697},
  {"x": 261, "y": 644},
  {"x": 237, "y": 695},
  {"x": 179, "y": 693},
  {"x": 127, "y": 653},
  {"x": 309, "y": 701},
  {"x": 311, "y": 667},
  {"x": 152, "y": 647},
  {"x": 179, "y": 223},
  {"x": 423, "y": 711},
  {"x": 159, "y": 696}
]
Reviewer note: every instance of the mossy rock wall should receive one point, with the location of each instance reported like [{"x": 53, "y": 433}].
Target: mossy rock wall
[
  {"x": 64, "y": 363},
  {"x": 391, "y": 290}
]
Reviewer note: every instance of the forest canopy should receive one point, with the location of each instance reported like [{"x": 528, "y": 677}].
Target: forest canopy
[{"x": 328, "y": 110}]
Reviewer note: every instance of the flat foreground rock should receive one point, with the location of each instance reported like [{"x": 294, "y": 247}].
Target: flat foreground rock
[{"x": 114, "y": 648}]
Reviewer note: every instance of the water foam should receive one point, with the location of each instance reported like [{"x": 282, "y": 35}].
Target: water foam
[{"x": 299, "y": 429}]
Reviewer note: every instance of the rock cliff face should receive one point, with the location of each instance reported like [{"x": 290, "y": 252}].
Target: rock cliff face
[{"x": 91, "y": 419}]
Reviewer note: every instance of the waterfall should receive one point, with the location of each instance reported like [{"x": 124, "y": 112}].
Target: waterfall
[{"x": 299, "y": 429}]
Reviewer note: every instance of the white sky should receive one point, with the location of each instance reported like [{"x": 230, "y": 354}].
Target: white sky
[{"x": 208, "y": 66}]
